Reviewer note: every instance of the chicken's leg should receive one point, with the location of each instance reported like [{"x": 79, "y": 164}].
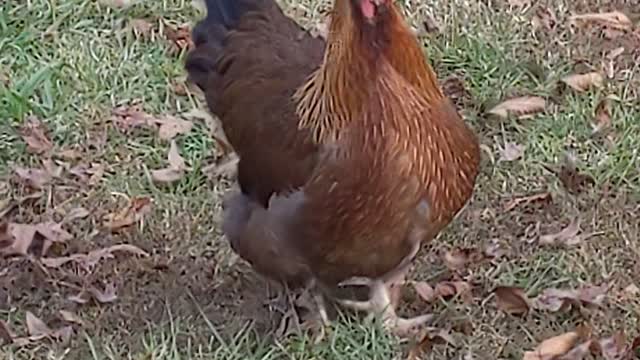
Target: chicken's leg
[
  {"x": 384, "y": 297},
  {"x": 380, "y": 302}
]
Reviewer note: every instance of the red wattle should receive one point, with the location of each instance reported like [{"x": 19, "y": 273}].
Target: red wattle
[{"x": 368, "y": 9}]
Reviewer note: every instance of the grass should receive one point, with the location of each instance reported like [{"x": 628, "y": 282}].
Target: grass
[{"x": 70, "y": 63}]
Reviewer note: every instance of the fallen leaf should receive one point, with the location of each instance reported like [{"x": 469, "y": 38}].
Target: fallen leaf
[
  {"x": 512, "y": 300},
  {"x": 34, "y": 134},
  {"x": 566, "y": 237},
  {"x": 137, "y": 208},
  {"x": 602, "y": 119},
  {"x": 511, "y": 152},
  {"x": 432, "y": 337},
  {"x": 179, "y": 37},
  {"x": 24, "y": 236},
  {"x": 454, "y": 87},
  {"x": 92, "y": 258},
  {"x": 226, "y": 168},
  {"x": 171, "y": 126},
  {"x": 214, "y": 126},
  {"x": 577, "y": 353},
  {"x": 80, "y": 298},
  {"x": 6, "y": 335},
  {"x": 176, "y": 168},
  {"x": 584, "y": 82},
  {"x": 544, "y": 19},
  {"x": 557, "y": 299},
  {"x": 425, "y": 291},
  {"x": 71, "y": 317},
  {"x": 36, "y": 327},
  {"x": 69, "y": 154},
  {"x": 614, "y": 19},
  {"x": 36, "y": 178},
  {"x": 632, "y": 290},
  {"x": 460, "y": 258},
  {"x": 430, "y": 25},
  {"x": 141, "y": 27},
  {"x": 128, "y": 117},
  {"x": 543, "y": 198},
  {"x": 553, "y": 347},
  {"x": 75, "y": 214},
  {"x": 107, "y": 295},
  {"x": 89, "y": 175},
  {"x": 447, "y": 289},
  {"x": 495, "y": 249},
  {"x": 521, "y": 106},
  {"x": 613, "y": 347},
  {"x": 572, "y": 180}
]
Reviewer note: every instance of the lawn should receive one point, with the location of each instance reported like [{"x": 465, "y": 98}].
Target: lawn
[{"x": 102, "y": 143}]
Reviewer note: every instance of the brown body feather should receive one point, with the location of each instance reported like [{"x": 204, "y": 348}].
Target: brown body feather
[{"x": 364, "y": 133}]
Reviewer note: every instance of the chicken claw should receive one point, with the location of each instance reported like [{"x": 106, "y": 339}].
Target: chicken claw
[{"x": 380, "y": 302}]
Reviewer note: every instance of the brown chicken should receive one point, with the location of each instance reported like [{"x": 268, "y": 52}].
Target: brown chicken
[{"x": 350, "y": 154}]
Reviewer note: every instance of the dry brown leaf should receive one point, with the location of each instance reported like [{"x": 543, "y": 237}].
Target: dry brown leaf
[
  {"x": 69, "y": 154},
  {"x": 36, "y": 178},
  {"x": 632, "y": 290},
  {"x": 75, "y": 214},
  {"x": 141, "y": 27},
  {"x": 584, "y": 82},
  {"x": 553, "y": 347},
  {"x": 447, "y": 289},
  {"x": 460, "y": 258},
  {"x": 137, "y": 208},
  {"x": 578, "y": 353},
  {"x": 512, "y": 300},
  {"x": 613, "y": 347},
  {"x": 6, "y": 335},
  {"x": 521, "y": 106},
  {"x": 179, "y": 37},
  {"x": 171, "y": 126},
  {"x": 572, "y": 180},
  {"x": 425, "y": 291},
  {"x": 176, "y": 168},
  {"x": 227, "y": 168},
  {"x": 89, "y": 175},
  {"x": 511, "y": 152},
  {"x": 602, "y": 119},
  {"x": 214, "y": 126},
  {"x": 25, "y": 236},
  {"x": 495, "y": 249},
  {"x": 37, "y": 327},
  {"x": 92, "y": 258},
  {"x": 129, "y": 117},
  {"x": 432, "y": 337},
  {"x": 544, "y": 19},
  {"x": 107, "y": 295},
  {"x": 566, "y": 237},
  {"x": 34, "y": 134},
  {"x": 539, "y": 198},
  {"x": 453, "y": 86},
  {"x": 557, "y": 299},
  {"x": 71, "y": 317},
  {"x": 80, "y": 298},
  {"x": 614, "y": 19}
]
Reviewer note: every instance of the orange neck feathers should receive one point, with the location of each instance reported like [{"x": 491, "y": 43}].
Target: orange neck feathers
[{"x": 356, "y": 47}]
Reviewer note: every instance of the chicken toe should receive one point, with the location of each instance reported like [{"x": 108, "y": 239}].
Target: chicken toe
[{"x": 381, "y": 303}]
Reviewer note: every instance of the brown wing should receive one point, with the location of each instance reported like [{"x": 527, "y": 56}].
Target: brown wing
[{"x": 262, "y": 60}]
